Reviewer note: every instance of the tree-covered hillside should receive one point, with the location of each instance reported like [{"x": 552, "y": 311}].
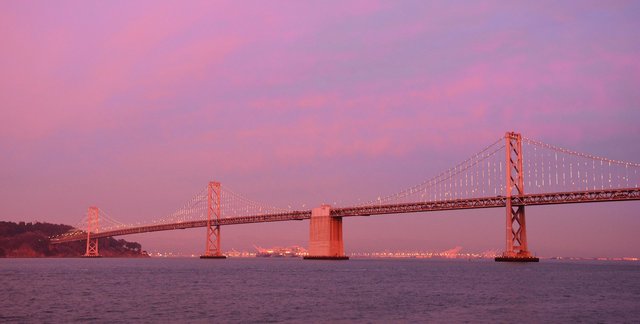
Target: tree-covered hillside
[{"x": 32, "y": 240}]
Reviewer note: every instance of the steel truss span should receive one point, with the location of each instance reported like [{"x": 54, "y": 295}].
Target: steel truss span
[
  {"x": 279, "y": 217},
  {"x": 494, "y": 202},
  {"x": 628, "y": 194}
]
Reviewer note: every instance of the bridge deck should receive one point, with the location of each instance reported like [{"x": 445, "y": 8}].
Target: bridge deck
[{"x": 473, "y": 203}]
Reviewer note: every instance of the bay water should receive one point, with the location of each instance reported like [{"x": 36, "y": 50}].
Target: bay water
[{"x": 236, "y": 290}]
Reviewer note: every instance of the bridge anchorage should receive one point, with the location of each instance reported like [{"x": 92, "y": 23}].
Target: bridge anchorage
[{"x": 325, "y": 236}]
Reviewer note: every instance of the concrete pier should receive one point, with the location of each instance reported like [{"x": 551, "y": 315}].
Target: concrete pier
[
  {"x": 325, "y": 236},
  {"x": 213, "y": 257},
  {"x": 517, "y": 259}
]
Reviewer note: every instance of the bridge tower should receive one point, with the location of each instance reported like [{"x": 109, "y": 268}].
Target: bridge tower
[
  {"x": 93, "y": 218},
  {"x": 516, "y": 229},
  {"x": 325, "y": 236},
  {"x": 212, "y": 248}
]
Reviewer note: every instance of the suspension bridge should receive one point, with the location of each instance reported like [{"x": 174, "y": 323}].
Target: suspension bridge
[{"x": 495, "y": 177}]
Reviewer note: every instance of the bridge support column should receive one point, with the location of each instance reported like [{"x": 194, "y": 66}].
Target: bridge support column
[
  {"x": 325, "y": 236},
  {"x": 516, "y": 241},
  {"x": 212, "y": 247},
  {"x": 93, "y": 216}
]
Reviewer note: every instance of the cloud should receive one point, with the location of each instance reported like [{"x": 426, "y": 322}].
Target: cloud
[{"x": 164, "y": 96}]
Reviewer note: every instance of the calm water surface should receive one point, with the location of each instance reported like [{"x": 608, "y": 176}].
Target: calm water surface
[{"x": 295, "y": 290}]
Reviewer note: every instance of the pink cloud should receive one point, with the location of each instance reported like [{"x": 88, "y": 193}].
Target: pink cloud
[{"x": 158, "y": 98}]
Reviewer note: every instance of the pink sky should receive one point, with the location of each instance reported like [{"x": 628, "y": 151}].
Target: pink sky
[{"x": 134, "y": 107}]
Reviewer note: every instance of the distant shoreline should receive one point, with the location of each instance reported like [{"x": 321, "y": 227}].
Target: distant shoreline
[{"x": 32, "y": 240}]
